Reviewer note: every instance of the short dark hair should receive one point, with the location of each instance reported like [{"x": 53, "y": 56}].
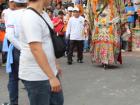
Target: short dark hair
[
  {"x": 60, "y": 13},
  {"x": 59, "y": 3},
  {"x": 130, "y": 5},
  {"x": 51, "y": 11},
  {"x": 33, "y": 0},
  {"x": 21, "y": 4}
]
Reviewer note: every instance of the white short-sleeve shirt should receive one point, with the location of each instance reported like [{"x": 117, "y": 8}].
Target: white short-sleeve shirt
[
  {"x": 75, "y": 28},
  {"x": 13, "y": 27},
  {"x": 6, "y": 13},
  {"x": 34, "y": 29}
]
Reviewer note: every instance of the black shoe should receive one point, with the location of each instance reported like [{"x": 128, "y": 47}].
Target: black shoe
[
  {"x": 5, "y": 103},
  {"x": 79, "y": 61},
  {"x": 69, "y": 63},
  {"x": 105, "y": 66}
]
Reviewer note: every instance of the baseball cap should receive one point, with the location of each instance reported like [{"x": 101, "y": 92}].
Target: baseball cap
[
  {"x": 20, "y": 1},
  {"x": 76, "y": 9},
  {"x": 70, "y": 8},
  {"x": 11, "y": 0}
]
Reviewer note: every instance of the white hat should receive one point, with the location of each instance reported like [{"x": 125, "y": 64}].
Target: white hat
[
  {"x": 11, "y": 0},
  {"x": 70, "y": 8},
  {"x": 76, "y": 9},
  {"x": 20, "y": 1}
]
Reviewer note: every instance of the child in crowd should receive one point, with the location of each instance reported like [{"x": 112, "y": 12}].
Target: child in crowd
[{"x": 86, "y": 36}]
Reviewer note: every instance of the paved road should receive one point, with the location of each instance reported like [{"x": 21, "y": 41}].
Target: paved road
[{"x": 90, "y": 84}]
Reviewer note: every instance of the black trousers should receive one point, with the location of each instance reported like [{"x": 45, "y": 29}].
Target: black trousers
[
  {"x": 13, "y": 79},
  {"x": 79, "y": 45},
  {"x": 4, "y": 54}
]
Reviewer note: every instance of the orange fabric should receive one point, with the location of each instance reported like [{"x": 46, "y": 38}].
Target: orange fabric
[
  {"x": 111, "y": 2},
  {"x": 2, "y": 35},
  {"x": 65, "y": 27},
  {"x": 66, "y": 23},
  {"x": 111, "y": 30},
  {"x": 96, "y": 30},
  {"x": 108, "y": 42},
  {"x": 94, "y": 6},
  {"x": 80, "y": 8}
]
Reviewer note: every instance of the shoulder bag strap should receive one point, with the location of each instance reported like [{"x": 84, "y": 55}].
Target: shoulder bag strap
[{"x": 51, "y": 30}]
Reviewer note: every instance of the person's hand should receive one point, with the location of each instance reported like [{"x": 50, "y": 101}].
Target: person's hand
[
  {"x": 137, "y": 3},
  {"x": 130, "y": 13},
  {"x": 55, "y": 84},
  {"x": 65, "y": 22},
  {"x": 59, "y": 70},
  {"x": 60, "y": 20},
  {"x": 1, "y": 21}
]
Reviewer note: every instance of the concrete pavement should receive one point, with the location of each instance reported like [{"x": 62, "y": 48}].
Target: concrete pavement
[{"x": 90, "y": 84}]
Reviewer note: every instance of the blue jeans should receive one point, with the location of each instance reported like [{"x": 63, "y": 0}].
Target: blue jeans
[
  {"x": 86, "y": 45},
  {"x": 13, "y": 79},
  {"x": 13, "y": 89},
  {"x": 39, "y": 93},
  {"x": 0, "y": 46}
]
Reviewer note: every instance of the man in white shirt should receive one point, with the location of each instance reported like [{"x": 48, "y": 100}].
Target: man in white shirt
[
  {"x": 75, "y": 29},
  {"x": 38, "y": 70},
  {"x": 4, "y": 17},
  {"x": 12, "y": 34}
]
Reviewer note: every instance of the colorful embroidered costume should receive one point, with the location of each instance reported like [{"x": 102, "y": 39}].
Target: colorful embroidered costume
[{"x": 105, "y": 45}]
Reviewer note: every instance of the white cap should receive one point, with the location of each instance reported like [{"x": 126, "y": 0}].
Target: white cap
[
  {"x": 11, "y": 0},
  {"x": 76, "y": 9},
  {"x": 70, "y": 8},
  {"x": 20, "y": 1}
]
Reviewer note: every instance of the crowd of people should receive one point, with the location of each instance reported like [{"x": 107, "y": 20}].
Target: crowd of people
[{"x": 27, "y": 48}]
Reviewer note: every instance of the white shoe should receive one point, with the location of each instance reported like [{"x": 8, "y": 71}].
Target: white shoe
[
  {"x": 5, "y": 104},
  {"x": 122, "y": 50}
]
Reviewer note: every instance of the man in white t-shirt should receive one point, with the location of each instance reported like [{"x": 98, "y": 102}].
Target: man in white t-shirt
[
  {"x": 75, "y": 32},
  {"x": 12, "y": 34},
  {"x": 4, "y": 17},
  {"x": 6, "y": 12},
  {"x": 38, "y": 70}
]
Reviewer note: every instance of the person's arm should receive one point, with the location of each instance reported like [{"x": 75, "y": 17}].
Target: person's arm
[
  {"x": 68, "y": 30},
  {"x": 2, "y": 17},
  {"x": 56, "y": 22},
  {"x": 11, "y": 37},
  {"x": 38, "y": 53},
  {"x": 37, "y": 50},
  {"x": 58, "y": 68},
  {"x": 10, "y": 33},
  {"x": 138, "y": 3}
]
